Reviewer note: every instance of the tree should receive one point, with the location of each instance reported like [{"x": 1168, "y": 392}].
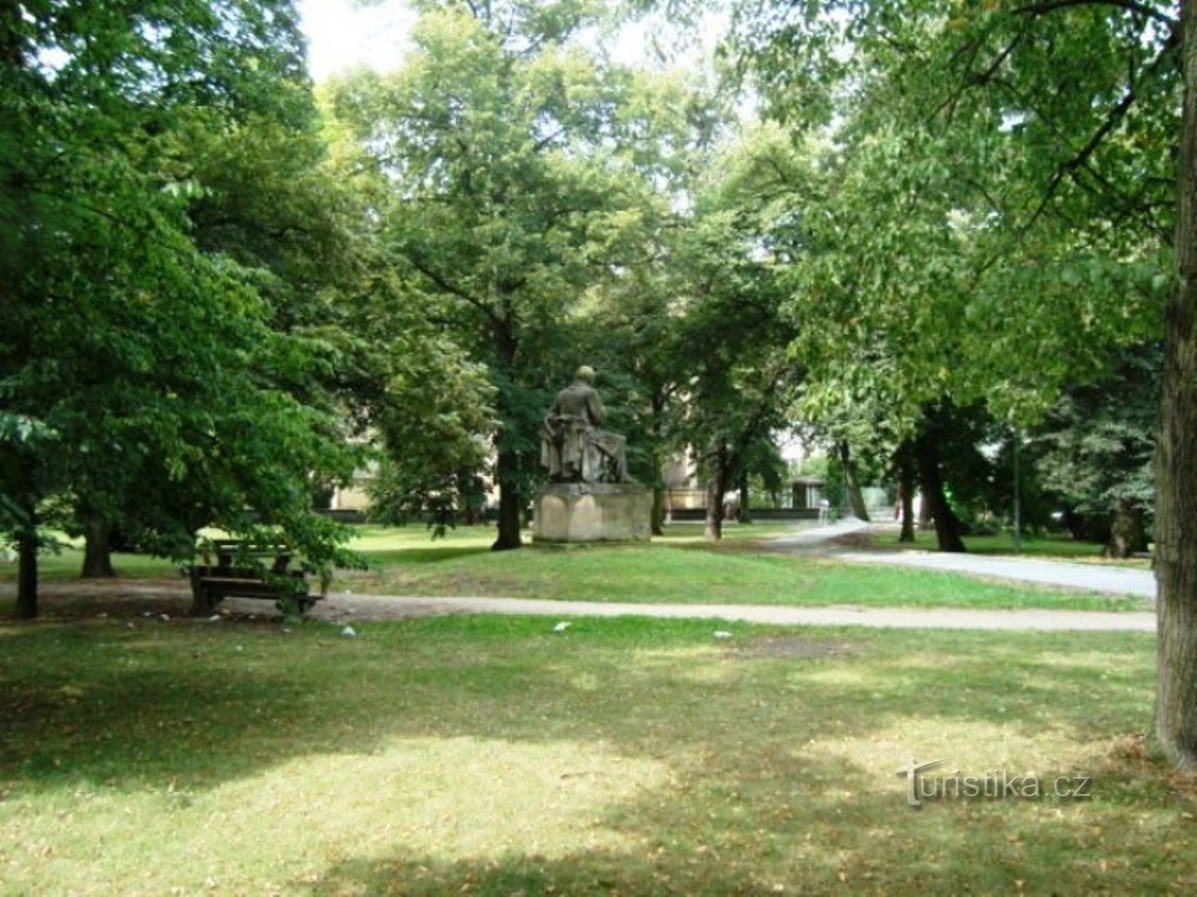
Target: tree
[
  {"x": 740, "y": 378},
  {"x": 937, "y": 251},
  {"x": 1078, "y": 121},
  {"x": 1095, "y": 448},
  {"x": 633, "y": 320},
  {"x": 1176, "y": 463},
  {"x": 631, "y": 335},
  {"x": 145, "y": 379},
  {"x": 514, "y": 160}
]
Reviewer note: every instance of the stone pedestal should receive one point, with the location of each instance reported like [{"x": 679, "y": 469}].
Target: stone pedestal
[{"x": 592, "y": 512}]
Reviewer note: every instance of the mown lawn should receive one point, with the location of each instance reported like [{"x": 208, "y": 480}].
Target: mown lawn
[
  {"x": 1003, "y": 543},
  {"x": 492, "y": 756},
  {"x": 680, "y": 568}
]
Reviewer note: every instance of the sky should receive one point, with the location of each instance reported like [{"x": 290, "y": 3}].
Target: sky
[{"x": 342, "y": 34}]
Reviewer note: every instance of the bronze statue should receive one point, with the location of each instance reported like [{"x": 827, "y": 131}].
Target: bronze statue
[{"x": 572, "y": 446}]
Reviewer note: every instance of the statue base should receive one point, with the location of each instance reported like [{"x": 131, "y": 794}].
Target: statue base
[{"x": 592, "y": 512}]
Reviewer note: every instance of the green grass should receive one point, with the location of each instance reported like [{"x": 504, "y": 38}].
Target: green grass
[
  {"x": 490, "y": 756},
  {"x": 679, "y": 569},
  {"x": 1003, "y": 543},
  {"x": 64, "y": 564}
]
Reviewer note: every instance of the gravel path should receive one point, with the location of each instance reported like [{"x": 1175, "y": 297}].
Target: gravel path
[
  {"x": 1089, "y": 577},
  {"x": 171, "y": 597},
  {"x": 342, "y": 608},
  {"x": 1105, "y": 578}
]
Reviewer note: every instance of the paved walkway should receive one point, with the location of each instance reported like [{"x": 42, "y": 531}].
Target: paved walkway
[
  {"x": 173, "y": 596},
  {"x": 342, "y": 608},
  {"x": 1114, "y": 580},
  {"x": 1104, "y": 578},
  {"x": 818, "y": 536},
  {"x": 1090, "y": 577}
]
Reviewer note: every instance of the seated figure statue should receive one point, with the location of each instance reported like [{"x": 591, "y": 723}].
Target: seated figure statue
[{"x": 572, "y": 446}]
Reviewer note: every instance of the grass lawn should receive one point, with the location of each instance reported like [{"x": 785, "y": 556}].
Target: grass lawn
[
  {"x": 490, "y": 756},
  {"x": 679, "y": 568},
  {"x": 65, "y": 564},
  {"x": 1003, "y": 543}
]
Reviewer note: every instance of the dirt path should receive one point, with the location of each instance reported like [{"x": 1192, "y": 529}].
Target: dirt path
[
  {"x": 1111, "y": 580},
  {"x": 155, "y": 598},
  {"x": 170, "y": 598},
  {"x": 356, "y": 607}
]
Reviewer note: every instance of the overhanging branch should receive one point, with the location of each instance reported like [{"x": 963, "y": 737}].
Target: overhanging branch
[
  {"x": 1049, "y": 6},
  {"x": 453, "y": 289}
]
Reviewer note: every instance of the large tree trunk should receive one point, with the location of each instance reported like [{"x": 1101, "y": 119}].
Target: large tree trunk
[
  {"x": 507, "y": 464},
  {"x": 1127, "y": 533},
  {"x": 97, "y": 551},
  {"x": 510, "y": 502},
  {"x": 924, "y": 521},
  {"x": 1176, "y": 453},
  {"x": 716, "y": 489},
  {"x": 855, "y": 496},
  {"x": 659, "y": 510},
  {"x": 947, "y": 524},
  {"x": 657, "y": 521},
  {"x": 27, "y": 545},
  {"x": 906, "y": 487},
  {"x": 713, "y": 530},
  {"x": 745, "y": 499}
]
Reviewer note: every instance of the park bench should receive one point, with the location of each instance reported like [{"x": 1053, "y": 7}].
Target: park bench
[{"x": 241, "y": 571}]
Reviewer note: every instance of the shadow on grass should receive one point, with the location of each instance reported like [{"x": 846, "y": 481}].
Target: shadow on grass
[
  {"x": 429, "y": 555},
  {"x": 150, "y": 702},
  {"x": 778, "y": 748},
  {"x": 580, "y": 873},
  {"x": 803, "y": 825},
  {"x": 106, "y": 704}
]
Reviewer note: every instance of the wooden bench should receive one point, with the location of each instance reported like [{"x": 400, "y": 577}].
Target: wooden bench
[{"x": 234, "y": 575}]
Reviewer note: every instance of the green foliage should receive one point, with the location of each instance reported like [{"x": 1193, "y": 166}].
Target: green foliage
[
  {"x": 731, "y": 334},
  {"x": 512, "y": 172},
  {"x": 1094, "y": 449},
  {"x": 995, "y": 197},
  {"x": 159, "y": 173},
  {"x": 398, "y": 496}
]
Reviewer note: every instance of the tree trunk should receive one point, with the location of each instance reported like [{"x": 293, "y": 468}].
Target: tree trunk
[
  {"x": 657, "y": 516},
  {"x": 1176, "y": 453},
  {"x": 906, "y": 486},
  {"x": 947, "y": 525},
  {"x": 97, "y": 553},
  {"x": 27, "y": 565},
  {"x": 1127, "y": 533},
  {"x": 855, "y": 496},
  {"x": 507, "y": 464},
  {"x": 657, "y": 521},
  {"x": 510, "y": 502},
  {"x": 924, "y": 521},
  {"x": 716, "y": 489},
  {"x": 745, "y": 509},
  {"x": 713, "y": 531}
]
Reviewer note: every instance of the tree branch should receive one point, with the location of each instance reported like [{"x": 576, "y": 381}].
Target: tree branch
[
  {"x": 1049, "y": 6},
  {"x": 452, "y": 288},
  {"x": 981, "y": 78},
  {"x": 1080, "y": 160}
]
